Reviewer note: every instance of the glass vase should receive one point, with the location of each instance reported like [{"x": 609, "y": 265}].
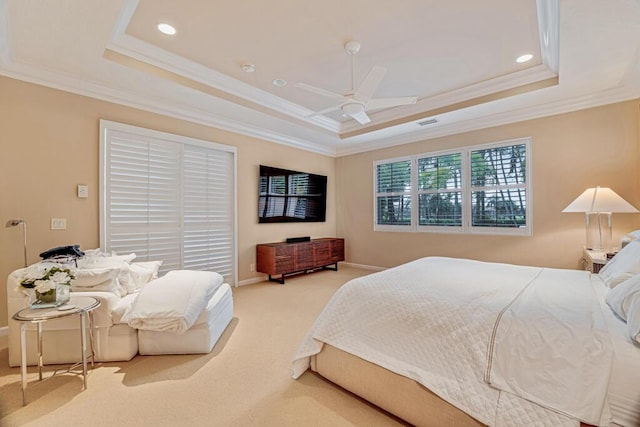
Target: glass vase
[
  {"x": 52, "y": 298},
  {"x": 46, "y": 297}
]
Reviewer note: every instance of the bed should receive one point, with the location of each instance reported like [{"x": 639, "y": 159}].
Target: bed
[{"x": 522, "y": 346}]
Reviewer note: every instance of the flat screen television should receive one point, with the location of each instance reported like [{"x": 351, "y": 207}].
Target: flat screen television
[{"x": 291, "y": 196}]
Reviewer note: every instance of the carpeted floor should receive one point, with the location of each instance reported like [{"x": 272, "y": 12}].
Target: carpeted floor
[{"x": 244, "y": 381}]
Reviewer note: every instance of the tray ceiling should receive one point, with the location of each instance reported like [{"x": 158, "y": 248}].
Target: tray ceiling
[{"x": 457, "y": 58}]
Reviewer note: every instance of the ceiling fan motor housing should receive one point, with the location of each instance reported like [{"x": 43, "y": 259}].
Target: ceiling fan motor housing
[{"x": 352, "y": 108}]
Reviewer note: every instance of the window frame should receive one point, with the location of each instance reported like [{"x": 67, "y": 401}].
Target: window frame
[{"x": 466, "y": 190}]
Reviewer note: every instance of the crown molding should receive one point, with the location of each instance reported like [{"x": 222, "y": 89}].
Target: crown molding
[
  {"x": 155, "y": 105},
  {"x": 144, "y": 52},
  {"x": 520, "y": 78},
  {"x": 82, "y": 87},
  {"x": 580, "y": 102}
]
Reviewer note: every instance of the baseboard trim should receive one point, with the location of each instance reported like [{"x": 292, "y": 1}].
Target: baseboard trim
[
  {"x": 363, "y": 266},
  {"x": 252, "y": 281},
  {"x": 4, "y": 330}
]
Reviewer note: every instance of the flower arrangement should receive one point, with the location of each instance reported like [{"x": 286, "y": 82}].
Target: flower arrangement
[{"x": 45, "y": 277}]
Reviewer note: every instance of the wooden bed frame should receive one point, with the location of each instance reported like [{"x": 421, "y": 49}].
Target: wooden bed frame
[{"x": 394, "y": 393}]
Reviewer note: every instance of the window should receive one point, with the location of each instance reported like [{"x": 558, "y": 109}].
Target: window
[
  {"x": 498, "y": 187},
  {"x": 393, "y": 197},
  {"x": 167, "y": 197},
  {"x": 482, "y": 189},
  {"x": 440, "y": 190}
]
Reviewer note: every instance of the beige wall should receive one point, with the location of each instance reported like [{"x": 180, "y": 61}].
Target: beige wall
[
  {"x": 49, "y": 143},
  {"x": 570, "y": 152}
]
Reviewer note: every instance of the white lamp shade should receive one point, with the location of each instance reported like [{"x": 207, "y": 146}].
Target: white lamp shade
[{"x": 600, "y": 199}]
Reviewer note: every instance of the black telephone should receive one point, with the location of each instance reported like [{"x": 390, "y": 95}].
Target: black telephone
[{"x": 63, "y": 251}]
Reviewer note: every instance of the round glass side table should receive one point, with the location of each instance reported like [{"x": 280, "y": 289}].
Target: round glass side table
[{"x": 82, "y": 306}]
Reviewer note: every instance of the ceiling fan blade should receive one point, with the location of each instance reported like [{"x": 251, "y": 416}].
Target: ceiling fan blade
[
  {"x": 325, "y": 111},
  {"x": 322, "y": 92},
  {"x": 378, "y": 103},
  {"x": 370, "y": 83},
  {"x": 361, "y": 117}
]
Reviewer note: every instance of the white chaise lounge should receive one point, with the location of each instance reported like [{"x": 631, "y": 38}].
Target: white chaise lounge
[{"x": 114, "y": 338}]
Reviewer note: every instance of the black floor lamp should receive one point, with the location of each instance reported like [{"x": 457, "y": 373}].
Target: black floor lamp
[{"x": 15, "y": 222}]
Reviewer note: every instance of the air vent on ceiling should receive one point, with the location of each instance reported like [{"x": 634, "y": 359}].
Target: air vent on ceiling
[{"x": 428, "y": 122}]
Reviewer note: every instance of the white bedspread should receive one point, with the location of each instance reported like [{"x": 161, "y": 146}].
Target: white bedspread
[
  {"x": 453, "y": 325},
  {"x": 173, "y": 302}
]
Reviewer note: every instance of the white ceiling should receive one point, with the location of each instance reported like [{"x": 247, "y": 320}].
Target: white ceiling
[{"x": 457, "y": 57}]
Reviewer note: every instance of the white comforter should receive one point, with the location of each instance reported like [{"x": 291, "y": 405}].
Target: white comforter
[
  {"x": 173, "y": 302},
  {"x": 509, "y": 345}
]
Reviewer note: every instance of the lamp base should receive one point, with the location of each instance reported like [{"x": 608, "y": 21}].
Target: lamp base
[{"x": 599, "y": 231}]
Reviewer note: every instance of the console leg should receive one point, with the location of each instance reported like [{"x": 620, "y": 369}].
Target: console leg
[{"x": 277, "y": 280}]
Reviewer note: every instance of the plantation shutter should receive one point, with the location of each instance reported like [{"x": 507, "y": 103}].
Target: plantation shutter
[
  {"x": 142, "y": 199},
  {"x": 393, "y": 193},
  {"x": 165, "y": 198},
  {"x": 208, "y": 210},
  {"x": 499, "y": 187},
  {"x": 440, "y": 190}
]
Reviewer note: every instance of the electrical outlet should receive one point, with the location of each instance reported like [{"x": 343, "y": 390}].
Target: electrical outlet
[
  {"x": 58, "y": 223},
  {"x": 252, "y": 267}
]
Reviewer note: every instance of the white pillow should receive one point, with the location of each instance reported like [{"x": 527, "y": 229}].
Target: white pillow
[
  {"x": 143, "y": 272},
  {"x": 621, "y": 267},
  {"x": 122, "y": 309},
  {"x": 624, "y": 300},
  {"x": 120, "y": 261},
  {"x": 633, "y": 318},
  {"x": 103, "y": 259},
  {"x": 96, "y": 279}
]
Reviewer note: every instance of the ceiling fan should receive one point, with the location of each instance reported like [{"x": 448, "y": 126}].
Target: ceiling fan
[{"x": 357, "y": 102}]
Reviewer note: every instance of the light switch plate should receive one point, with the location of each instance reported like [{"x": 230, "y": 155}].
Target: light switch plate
[{"x": 83, "y": 191}]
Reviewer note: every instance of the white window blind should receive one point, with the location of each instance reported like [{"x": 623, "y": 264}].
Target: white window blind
[
  {"x": 499, "y": 186},
  {"x": 208, "y": 219},
  {"x": 167, "y": 197},
  {"x": 393, "y": 193},
  {"x": 480, "y": 189},
  {"x": 440, "y": 197}
]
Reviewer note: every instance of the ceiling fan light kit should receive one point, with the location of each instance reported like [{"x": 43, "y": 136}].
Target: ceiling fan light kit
[{"x": 357, "y": 102}]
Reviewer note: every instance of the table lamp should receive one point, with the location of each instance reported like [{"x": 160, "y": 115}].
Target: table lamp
[{"x": 598, "y": 204}]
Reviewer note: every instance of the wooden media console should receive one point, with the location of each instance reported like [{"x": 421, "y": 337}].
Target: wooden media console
[{"x": 283, "y": 258}]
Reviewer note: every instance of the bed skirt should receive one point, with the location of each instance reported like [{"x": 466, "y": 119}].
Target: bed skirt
[{"x": 394, "y": 393}]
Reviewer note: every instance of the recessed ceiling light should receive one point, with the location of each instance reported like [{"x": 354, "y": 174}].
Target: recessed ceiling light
[
  {"x": 524, "y": 58},
  {"x": 166, "y": 29},
  {"x": 279, "y": 82},
  {"x": 248, "y": 68}
]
